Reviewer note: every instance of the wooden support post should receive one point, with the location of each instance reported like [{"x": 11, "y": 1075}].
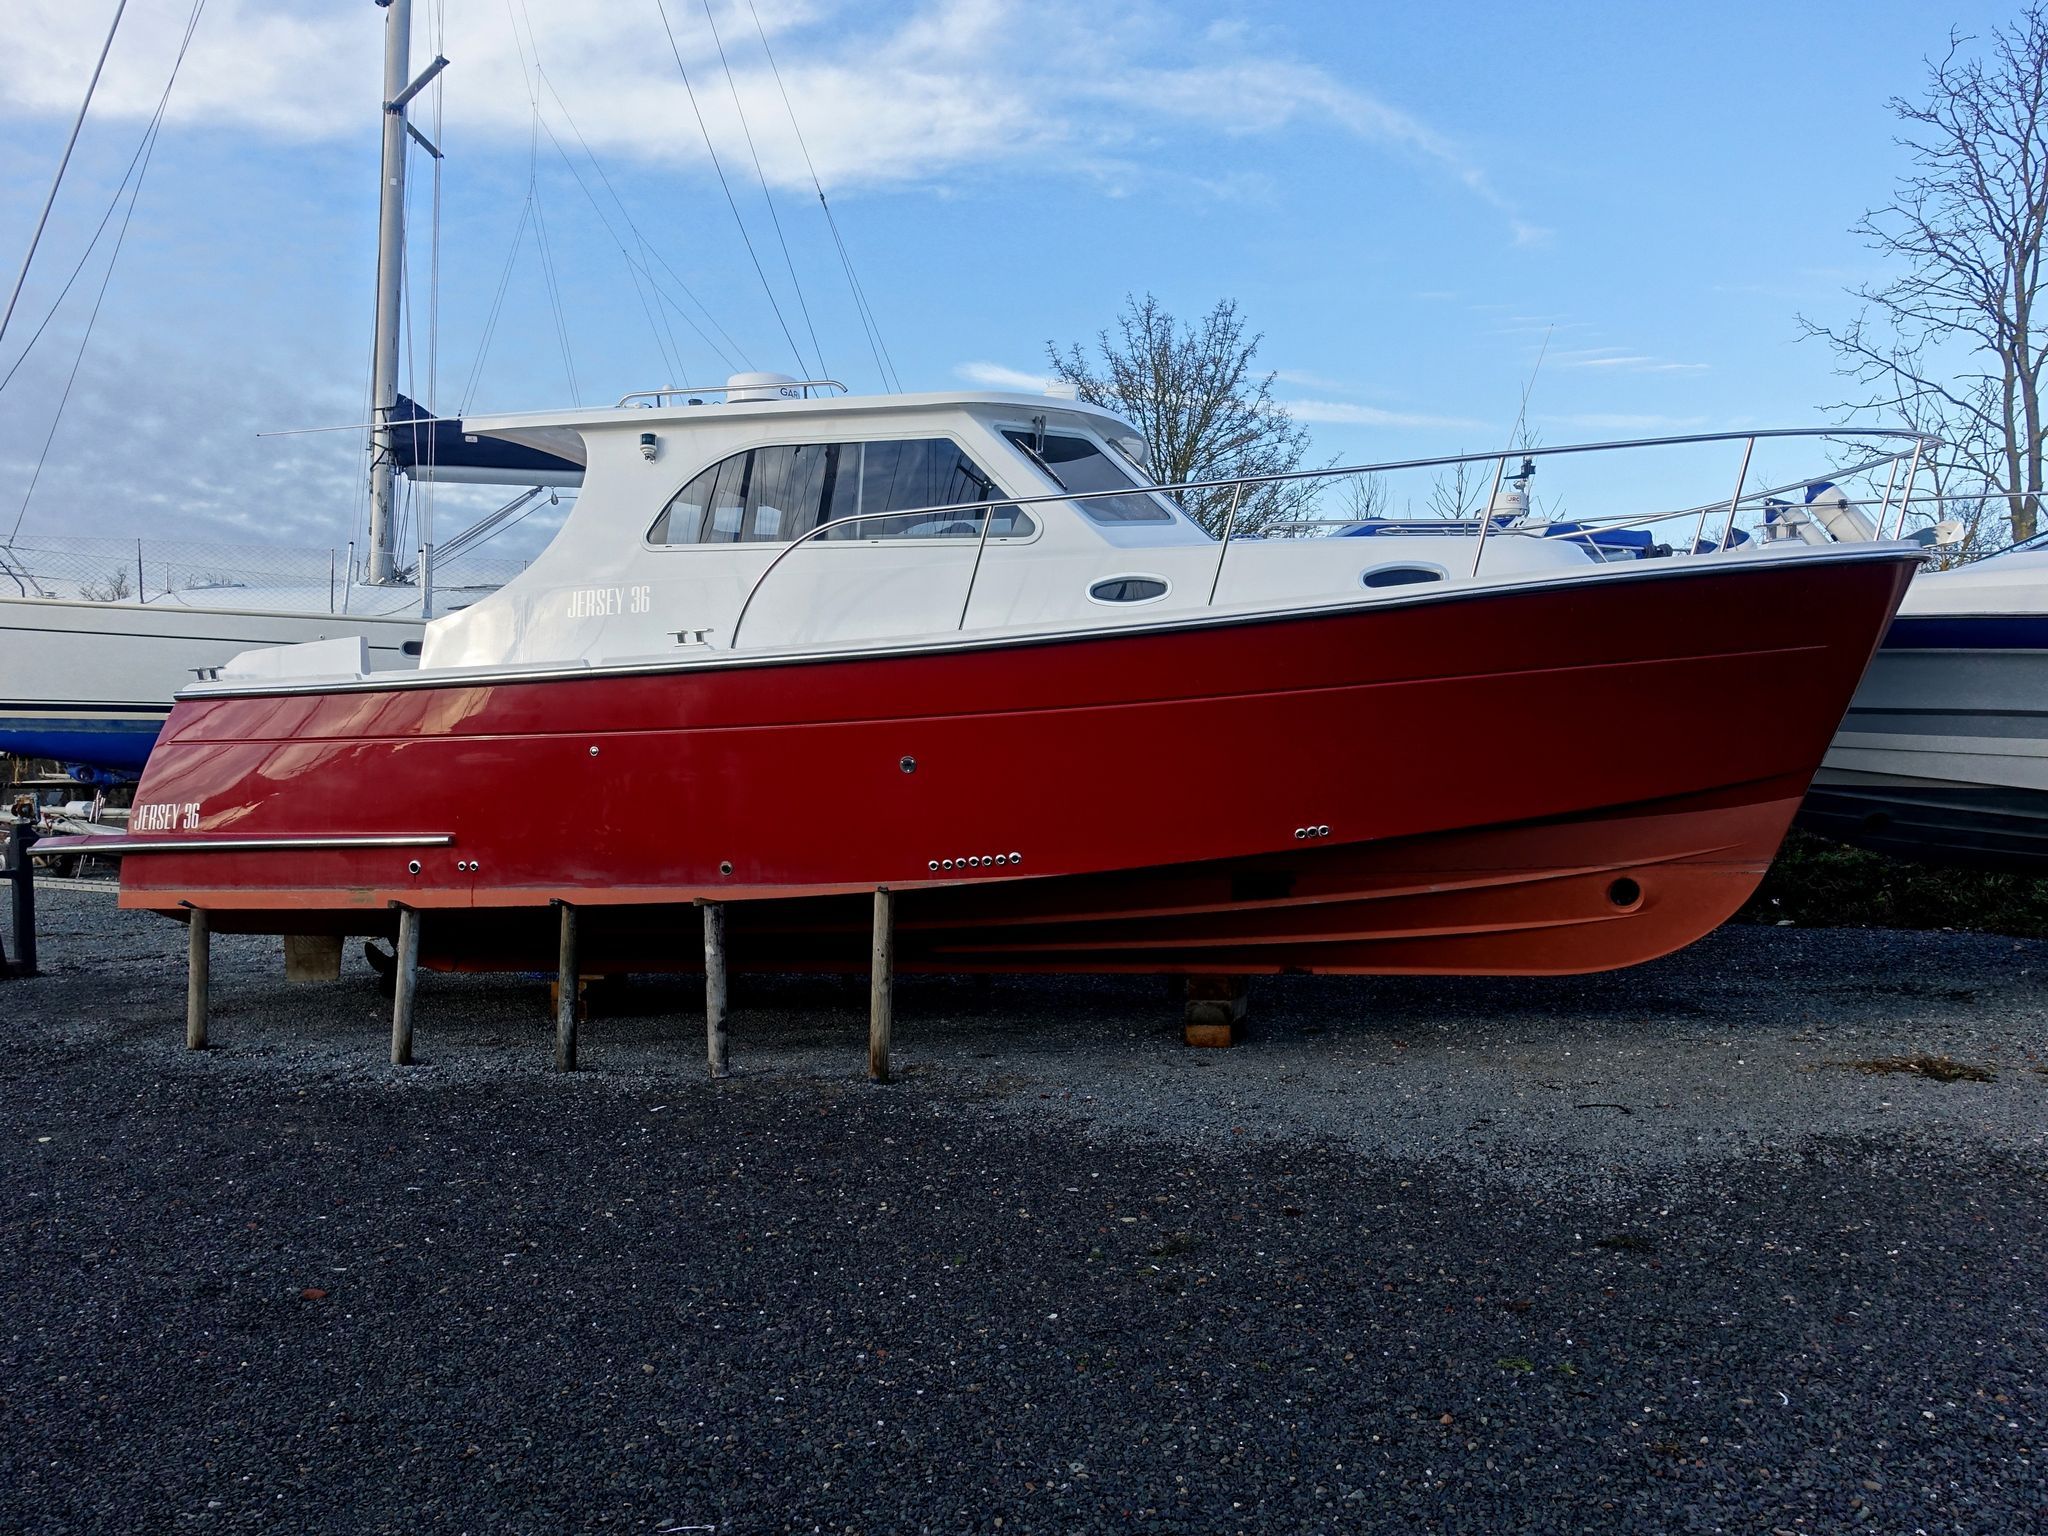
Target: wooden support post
[
  {"x": 21, "y": 869},
  {"x": 714, "y": 987},
  {"x": 565, "y": 993},
  {"x": 198, "y": 973},
  {"x": 1214, "y": 1011},
  {"x": 408, "y": 970},
  {"x": 881, "y": 987}
]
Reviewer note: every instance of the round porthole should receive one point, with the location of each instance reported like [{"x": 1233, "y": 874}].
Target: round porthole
[
  {"x": 1401, "y": 575},
  {"x": 1625, "y": 893},
  {"x": 1128, "y": 589}
]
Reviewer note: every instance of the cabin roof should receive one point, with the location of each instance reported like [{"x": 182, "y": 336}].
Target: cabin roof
[
  {"x": 559, "y": 431},
  {"x": 791, "y": 410}
]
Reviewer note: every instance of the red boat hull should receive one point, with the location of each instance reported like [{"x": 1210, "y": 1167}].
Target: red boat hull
[{"x": 1563, "y": 777}]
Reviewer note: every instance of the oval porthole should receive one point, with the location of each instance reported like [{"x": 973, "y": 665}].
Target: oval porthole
[
  {"x": 1401, "y": 575},
  {"x": 1128, "y": 589}
]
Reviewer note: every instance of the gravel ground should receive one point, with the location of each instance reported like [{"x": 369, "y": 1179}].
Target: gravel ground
[{"x": 1639, "y": 1252}]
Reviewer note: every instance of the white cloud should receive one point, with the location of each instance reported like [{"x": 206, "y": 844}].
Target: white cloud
[
  {"x": 1308, "y": 380},
  {"x": 884, "y": 96},
  {"x": 182, "y": 465},
  {"x": 1344, "y": 413},
  {"x": 1622, "y": 360},
  {"x": 996, "y": 376},
  {"x": 130, "y": 462}
]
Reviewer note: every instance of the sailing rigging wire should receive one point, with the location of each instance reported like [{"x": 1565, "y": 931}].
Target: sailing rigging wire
[
  {"x": 483, "y": 346},
  {"x": 725, "y": 186},
  {"x": 645, "y": 244},
  {"x": 665, "y": 301},
  {"x": 547, "y": 268},
  {"x": 664, "y": 336},
  {"x": 540, "y": 231},
  {"x": 147, "y": 151},
  {"x": 85, "y": 257},
  {"x": 359, "y": 498},
  {"x": 63, "y": 160},
  {"x": 884, "y": 364},
  {"x": 761, "y": 176}
]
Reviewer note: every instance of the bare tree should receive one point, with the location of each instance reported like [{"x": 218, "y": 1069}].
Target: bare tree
[
  {"x": 1953, "y": 341},
  {"x": 1457, "y": 490},
  {"x": 1205, "y": 411},
  {"x": 115, "y": 589},
  {"x": 1365, "y": 497},
  {"x": 1949, "y": 486}
]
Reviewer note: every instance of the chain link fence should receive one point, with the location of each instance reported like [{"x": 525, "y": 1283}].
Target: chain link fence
[{"x": 207, "y": 575}]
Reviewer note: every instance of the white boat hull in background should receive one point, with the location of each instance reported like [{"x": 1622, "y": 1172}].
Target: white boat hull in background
[
  {"x": 1944, "y": 755},
  {"x": 91, "y": 683}
]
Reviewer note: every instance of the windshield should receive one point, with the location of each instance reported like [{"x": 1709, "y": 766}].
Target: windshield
[{"x": 1077, "y": 464}]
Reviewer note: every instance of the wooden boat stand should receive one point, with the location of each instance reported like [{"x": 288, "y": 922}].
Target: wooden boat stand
[
  {"x": 568, "y": 989},
  {"x": 1215, "y": 1005}
]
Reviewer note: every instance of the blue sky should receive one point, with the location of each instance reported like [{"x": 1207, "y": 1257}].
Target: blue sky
[{"x": 1407, "y": 200}]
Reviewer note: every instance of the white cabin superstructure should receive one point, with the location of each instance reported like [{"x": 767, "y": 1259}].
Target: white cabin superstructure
[{"x": 685, "y": 509}]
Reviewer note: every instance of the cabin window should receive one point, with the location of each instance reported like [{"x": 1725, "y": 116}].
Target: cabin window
[
  {"x": 1128, "y": 589},
  {"x": 773, "y": 495},
  {"x": 1402, "y": 575},
  {"x": 1078, "y": 465}
]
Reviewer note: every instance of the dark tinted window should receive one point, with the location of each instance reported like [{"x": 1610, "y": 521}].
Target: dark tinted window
[
  {"x": 1128, "y": 589},
  {"x": 1077, "y": 465},
  {"x": 1401, "y": 575},
  {"x": 773, "y": 495}
]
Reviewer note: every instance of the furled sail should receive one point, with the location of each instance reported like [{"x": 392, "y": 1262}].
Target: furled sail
[{"x": 428, "y": 449}]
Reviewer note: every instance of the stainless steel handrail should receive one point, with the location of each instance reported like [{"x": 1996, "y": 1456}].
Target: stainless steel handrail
[
  {"x": 1885, "y": 507},
  {"x": 1839, "y": 472},
  {"x": 1912, "y": 473},
  {"x": 1340, "y": 471},
  {"x": 1223, "y": 550},
  {"x": 1434, "y": 527},
  {"x": 727, "y": 388},
  {"x": 1918, "y": 440},
  {"x": 1742, "y": 474},
  {"x": 1500, "y": 468},
  {"x": 873, "y": 517}
]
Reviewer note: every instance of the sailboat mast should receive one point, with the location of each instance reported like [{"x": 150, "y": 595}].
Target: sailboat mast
[{"x": 390, "y": 270}]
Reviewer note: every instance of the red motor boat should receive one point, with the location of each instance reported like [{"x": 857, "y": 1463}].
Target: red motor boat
[{"x": 787, "y": 651}]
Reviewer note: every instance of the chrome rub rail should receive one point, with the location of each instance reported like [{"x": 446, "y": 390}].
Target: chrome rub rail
[{"x": 124, "y": 845}]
